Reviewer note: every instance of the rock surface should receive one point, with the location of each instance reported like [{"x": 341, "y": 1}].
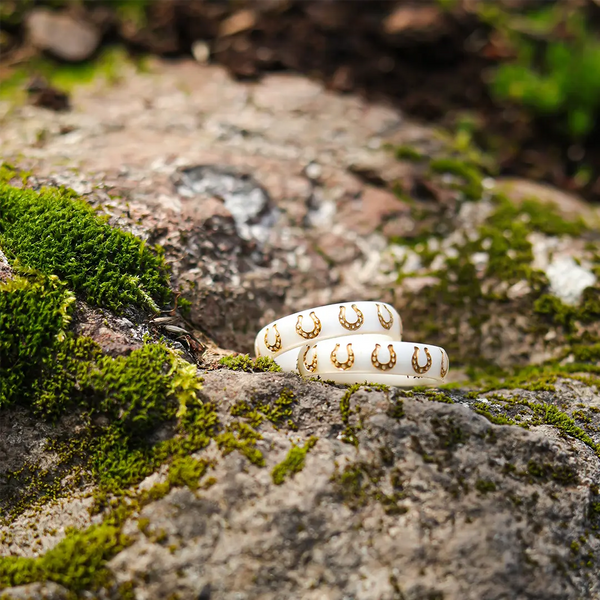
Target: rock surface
[
  {"x": 63, "y": 35},
  {"x": 276, "y": 196}
]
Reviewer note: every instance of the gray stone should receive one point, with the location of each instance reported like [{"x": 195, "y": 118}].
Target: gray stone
[
  {"x": 62, "y": 35},
  {"x": 37, "y": 591}
]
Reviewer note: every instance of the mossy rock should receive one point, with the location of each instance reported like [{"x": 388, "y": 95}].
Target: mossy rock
[{"x": 57, "y": 233}]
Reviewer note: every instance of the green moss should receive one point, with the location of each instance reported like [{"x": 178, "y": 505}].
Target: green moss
[
  {"x": 396, "y": 409},
  {"x": 485, "y": 486},
  {"x": 438, "y": 397},
  {"x": 554, "y": 72},
  {"x": 536, "y": 216},
  {"x": 500, "y": 419},
  {"x": 9, "y": 173},
  {"x": 132, "y": 396},
  {"x": 349, "y": 434},
  {"x": 241, "y": 437},
  {"x": 243, "y": 362},
  {"x": 506, "y": 232},
  {"x": 594, "y": 510},
  {"x": 59, "y": 234},
  {"x": 34, "y": 314},
  {"x": 449, "y": 432},
  {"x": 133, "y": 413},
  {"x": 562, "y": 474},
  {"x": 538, "y": 413},
  {"x": 575, "y": 547},
  {"x": 534, "y": 377},
  {"x": 471, "y": 293},
  {"x": 184, "y": 305},
  {"x": 470, "y": 175},
  {"x": 108, "y": 65},
  {"x": 143, "y": 524},
  {"x": 354, "y": 484},
  {"x": 136, "y": 391},
  {"x": 187, "y": 471},
  {"x": 361, "y": 483},
  {"x": 277, "y": 412},
  {"x": 558, "y": 313},
  {"x": 77, "y": 562},
  {"x": 293, "y": 462},
  {"x": 408, "y": 153}
]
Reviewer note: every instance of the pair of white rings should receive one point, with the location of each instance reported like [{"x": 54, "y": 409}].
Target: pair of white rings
[{"x": 351, "y": 342}]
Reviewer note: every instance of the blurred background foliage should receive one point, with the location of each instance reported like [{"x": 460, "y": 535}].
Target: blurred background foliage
[
  {"x": 521, "y": 78},
  {"x": 556, "y": 65}
]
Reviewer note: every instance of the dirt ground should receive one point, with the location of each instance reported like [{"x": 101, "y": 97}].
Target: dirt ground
[{"x": 431, "y": 59}]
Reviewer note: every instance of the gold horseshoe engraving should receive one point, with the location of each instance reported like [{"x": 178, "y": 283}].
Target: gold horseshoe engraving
[
  {"x": 277, "y": 345},
  {"x": 444, "y": 368},
  {"x": 312, "y": 365},
  {"x": 360, "y": 319},
  {"x": 344, "y": 366},
  {"x": 316, "y": 330},
  {"x": 415, "y": 361},
  {"x": 390, "y": 364},
  {"x": 385, "y": 324}
]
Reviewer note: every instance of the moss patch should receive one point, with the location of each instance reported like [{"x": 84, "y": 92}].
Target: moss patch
[
  {"x": 277, "y": 412},
  {"x": 34, "y": 314},
  {"x": 475, "y": 278},
  {"x": 120, "y": 403},
  {"x": 131, "y": 413},
  {"x": 469, "y": 176},
  {"x": 485, "y": 486},
  {"x": 59, "y": 234},
  {"x": 110, "y": 65},
  {"x": 360, "y": 483},
  {"x": 243, "y": 438},
  {"x": 243, "y": 362},
  {"x": 293, "y": 462},
  {"x": 516, "y": 410},
  {"x": 187, "y": 471},
  {"x": 77, "y": 562}
]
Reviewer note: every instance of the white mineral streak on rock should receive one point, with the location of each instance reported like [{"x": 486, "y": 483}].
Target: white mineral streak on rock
[
  {"x": 472, "y": 214},
  {"x": 518, "y": 290},
  {"x": 247, "y": 201},
  {"x": 5, "y": 270},
  {"x": 407, "y": 257},
  {"x": 480, "y": 261},
  {"x": 568, "y": 279},
  {"x": 542, "y": 247}
]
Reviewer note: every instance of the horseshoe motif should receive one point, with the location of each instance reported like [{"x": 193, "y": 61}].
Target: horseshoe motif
[
  {"x": 316, "y": 330},
  {"x": 312, "y": 365},
  {"x": 444, "y": 368},
  {"x": 277, "y": 345},
  {"x": 383, "y": 366},
  {"x": 360, "y": 319},
  {"x": 344, "y": 366},
  {"x": 415, "y": 361},
  {"x": 385, "y": 324}
]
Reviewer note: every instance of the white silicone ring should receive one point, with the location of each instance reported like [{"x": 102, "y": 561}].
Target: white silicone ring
[
  {"x": 324, "y": 322},
  {"x": 288, "y": 361},
  {"x": 374, "y": 358}
]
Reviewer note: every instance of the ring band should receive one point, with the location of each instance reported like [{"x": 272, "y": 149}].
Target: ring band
[
  {"x": 325, "y": 322},
  {"x": 374, "y": 358}
]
